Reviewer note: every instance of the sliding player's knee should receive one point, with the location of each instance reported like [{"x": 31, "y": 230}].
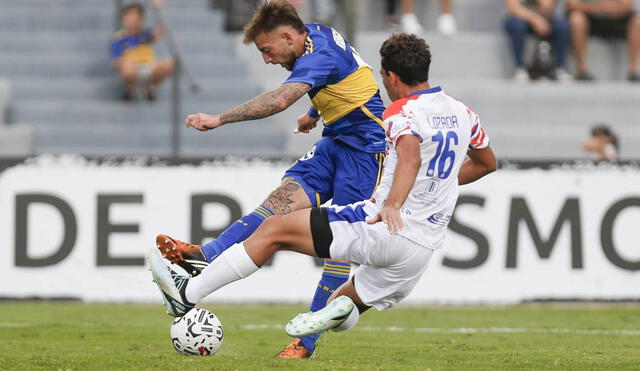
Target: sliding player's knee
[{"x": 270, "y": 232}]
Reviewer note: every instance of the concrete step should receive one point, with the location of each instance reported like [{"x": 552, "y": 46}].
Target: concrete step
[
  {"x": 471, "y": 15},
  {"x": 256, "y": 138},
  {"x": 97, "y": 42},
  {"x": 485, "y": 55},
  {"x": 61, "y": 18},
  {"x": 61, "y": 64},
  {"x": 60, "y": 112},
  {"x": 90, "y": 4},
  {"x": 547, "y": 120},
  {"x": 5, "y": 98},
  {"x": 570, "y": 104},
  {"x": 557, "y": 141},
  {"x": 16, "y": 140},
  {"x": 227, "y": 88}
]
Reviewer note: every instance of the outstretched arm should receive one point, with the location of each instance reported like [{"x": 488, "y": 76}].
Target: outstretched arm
[
  {"x": 480, "y": 163},
  {"x": 263, "y": 105},
  {"x": 407, "y": 167}
]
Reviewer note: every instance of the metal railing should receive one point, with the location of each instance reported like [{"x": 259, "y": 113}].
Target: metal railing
[{"x": 181, "y": 67}]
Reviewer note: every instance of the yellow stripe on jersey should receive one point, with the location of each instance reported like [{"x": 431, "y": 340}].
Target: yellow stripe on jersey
[
  {"x": 318, "y": 203},
  {"x": 372, "y": 116},
  {"x": 141, "y": 54},
  {"x": 308, "y": 45},
  {"x": 336, "y": 100},
  {"x": 380, "y": 158}
]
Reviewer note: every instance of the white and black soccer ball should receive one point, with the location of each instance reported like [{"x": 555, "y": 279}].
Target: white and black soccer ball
[{"x": 197, "y": 333}]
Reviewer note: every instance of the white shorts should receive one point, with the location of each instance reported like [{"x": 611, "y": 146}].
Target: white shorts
[{"x": 390, "y": 265}]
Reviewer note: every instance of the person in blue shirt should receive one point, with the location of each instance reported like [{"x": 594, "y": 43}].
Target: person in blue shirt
[
  {"x": 132, "y": 53},
  {"x": 345, "y": 165}
]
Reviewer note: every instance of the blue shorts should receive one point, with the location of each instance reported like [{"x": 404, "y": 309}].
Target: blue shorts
[{"x": 333, "y": 170}]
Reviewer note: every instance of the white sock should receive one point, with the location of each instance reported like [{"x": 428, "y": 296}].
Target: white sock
[
  {"x": 230, "y": 266},
  {"x": 349, "y": 322}
]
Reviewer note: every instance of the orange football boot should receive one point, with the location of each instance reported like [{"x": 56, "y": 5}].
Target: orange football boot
[
  {"x": 189, "y": 257},
  {"x": 296, "y": 350}
]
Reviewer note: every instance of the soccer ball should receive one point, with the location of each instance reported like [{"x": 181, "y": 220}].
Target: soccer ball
[{"x": 197, "y": 333}]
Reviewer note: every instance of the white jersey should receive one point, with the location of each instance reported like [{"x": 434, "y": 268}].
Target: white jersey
[{"x": 447, "y": 129}]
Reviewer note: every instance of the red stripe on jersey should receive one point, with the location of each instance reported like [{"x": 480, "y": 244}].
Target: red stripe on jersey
[
  {"x": 397, "y": 105},
  {"x": 473, "y": 130},
  {"x": 479, "y": 139}
]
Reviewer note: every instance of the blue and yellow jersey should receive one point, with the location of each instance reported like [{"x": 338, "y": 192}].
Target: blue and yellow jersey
[
  {"x": 343, "y": 89},
  {"x": 137, "y": 48}
]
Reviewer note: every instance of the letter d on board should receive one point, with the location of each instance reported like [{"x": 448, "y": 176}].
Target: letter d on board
[{"x": 22, "y": 258}]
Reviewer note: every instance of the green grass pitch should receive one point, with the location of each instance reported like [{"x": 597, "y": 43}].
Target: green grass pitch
[{"x": 78, "y": 336}]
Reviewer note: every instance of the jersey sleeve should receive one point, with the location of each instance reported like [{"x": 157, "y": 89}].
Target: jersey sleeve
[
  {"x": 479, "y": 138},
  {"x": 398, "y": 123},
  {"x": 314, "y": 69},
  {"x": 116, "y": 48}
]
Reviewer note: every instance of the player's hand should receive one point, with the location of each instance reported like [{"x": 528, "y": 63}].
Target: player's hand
[
  {"x": 203, "y": 121},
  {"x": 389, "y": 215},
  {"x": 540, "y": 25},
  {"x": 306, "y": 123}
]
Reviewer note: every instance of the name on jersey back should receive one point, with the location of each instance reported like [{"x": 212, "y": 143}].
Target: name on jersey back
[{"x": 443, "y": 122}]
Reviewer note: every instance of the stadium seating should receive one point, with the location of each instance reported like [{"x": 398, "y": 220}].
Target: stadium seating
[
  {"x": 56, "y": 55},
  {"x": 56, "y": 59}
]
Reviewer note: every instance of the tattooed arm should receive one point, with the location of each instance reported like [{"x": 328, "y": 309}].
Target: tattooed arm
[{"x": 263, "y": 105}]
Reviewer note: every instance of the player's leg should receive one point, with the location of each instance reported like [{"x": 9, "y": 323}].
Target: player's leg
[
  {"x": 194, "y": 258},
  {"x": 159, "y": 71},
  {"x": 560, "y": 34},
  {"x": 289, "y": 196},
  {"x": 128, "y": 72},
  {"x": 579, "y": 35},
  {"x": 516, "y": 30},
  {"x": 181, "y": 293},
  {"x": 390, "y": 268},
  {"x": 356, "y": 176},
  {"x": 303, "y": 185},
  {"x": 633, "y": 40}
]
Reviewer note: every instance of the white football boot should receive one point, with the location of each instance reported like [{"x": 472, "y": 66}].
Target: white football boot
[
  {"x": 172, "y": 285},
  {"x": 326, "y": 318}
]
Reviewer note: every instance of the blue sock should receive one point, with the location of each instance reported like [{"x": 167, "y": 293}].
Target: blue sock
[
  {"x": 237, "y": 232},
  {"x": 333, "y": 276}
]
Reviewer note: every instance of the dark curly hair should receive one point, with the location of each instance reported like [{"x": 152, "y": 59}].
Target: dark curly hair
[
  {"x": 270, "y": 16},
  {"x": 408, "y": 56}
]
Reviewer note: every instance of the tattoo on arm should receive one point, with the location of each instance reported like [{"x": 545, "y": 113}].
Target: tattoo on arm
[
  {"x": 266, "y": 104},
  {"x": 281, "y": 200}
]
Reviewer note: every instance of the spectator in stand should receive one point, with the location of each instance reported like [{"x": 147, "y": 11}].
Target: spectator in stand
[
  {"x": 609, "y": 19},
  {"x": 409, "y": 21},
  {"x": 132, "y": 53},
  {"x": 537, "y": 17},
  {"x": 603, "y": 144}
]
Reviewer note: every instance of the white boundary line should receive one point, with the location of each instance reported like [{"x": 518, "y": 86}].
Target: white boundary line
[
  {"x": 471, "y": 330},
  {"x": 14, "y": 324}
]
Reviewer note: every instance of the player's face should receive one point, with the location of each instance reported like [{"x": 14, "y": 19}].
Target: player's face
[
  {"x": 132, "y": 21},
  {"x": 276, "y": 48},
  {"x": 388, "y": 84}
]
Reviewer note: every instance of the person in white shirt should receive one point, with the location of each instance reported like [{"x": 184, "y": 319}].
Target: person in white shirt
[{"x": 434, "y": 144}]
